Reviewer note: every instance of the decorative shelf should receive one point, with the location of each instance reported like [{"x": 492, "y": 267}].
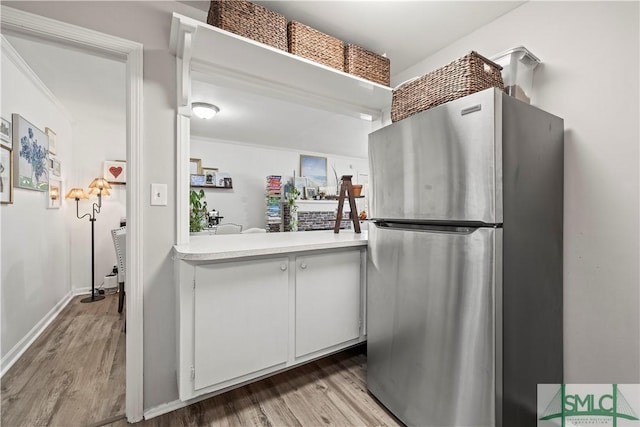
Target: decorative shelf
[
  {"x": 217, "y": 54},
  {"x": 212, "y": 186}
]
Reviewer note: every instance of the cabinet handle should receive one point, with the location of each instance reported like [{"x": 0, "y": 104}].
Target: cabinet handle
[
  {"x": 283, "y": 267},
  {"x": 303, "y": 266}
]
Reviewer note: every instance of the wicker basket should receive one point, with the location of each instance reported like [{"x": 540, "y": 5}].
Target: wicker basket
[
  {"x": 366, "y": 64},
  {"x": 312, "y": 44},
  {"x": 249, "y": 20},
  {"x": 469, "y": 74}
]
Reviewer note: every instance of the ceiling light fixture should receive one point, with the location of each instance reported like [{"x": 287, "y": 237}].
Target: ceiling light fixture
[{"x": 204, "y": 110}]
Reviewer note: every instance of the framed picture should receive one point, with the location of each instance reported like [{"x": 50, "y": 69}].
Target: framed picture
[
  {"x": 115, "y": 171},
  {"x": 197, "y": 179},
  {"x": 53, "y": 144},
  {"x": 31, "y": 153},
  {"x": 314, "y": 168},
  {"x": 55, "y": 168},
  {"x": 195, "y": 166},
  {"x": 6, "y": 175},
  {"x": 310, "y": 193},
  {"x": 209, "y": 175},
  {"x": 55, "y": 194},
  {"x": 5, "y": 133},
  {"x": 223, "y": 179}
]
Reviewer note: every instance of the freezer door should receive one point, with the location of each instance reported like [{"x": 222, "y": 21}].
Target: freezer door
[
  {"x": 440, "y": 165},
  {"x": 433, "y": 357}
]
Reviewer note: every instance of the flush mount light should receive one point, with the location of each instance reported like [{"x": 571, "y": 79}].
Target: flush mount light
[{"x": 204, "y": 110}]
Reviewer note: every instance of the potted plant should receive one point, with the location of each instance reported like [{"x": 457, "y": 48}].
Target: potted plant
[
  {"x": 292, "y": 196},
  {"x": 197, "y": 214}
]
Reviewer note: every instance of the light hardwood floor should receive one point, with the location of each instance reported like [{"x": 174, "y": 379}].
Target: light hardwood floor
[{"x": 73, "y": 374}]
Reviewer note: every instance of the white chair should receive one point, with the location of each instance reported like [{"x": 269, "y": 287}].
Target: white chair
[
  {"x": 228, "y": 228},
  {"x": 254, "y": 230},
  {"x": 119, "y": 236}
]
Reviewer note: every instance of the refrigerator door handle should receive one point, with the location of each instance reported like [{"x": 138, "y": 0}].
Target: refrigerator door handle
[{"x": 433, "y": 228}]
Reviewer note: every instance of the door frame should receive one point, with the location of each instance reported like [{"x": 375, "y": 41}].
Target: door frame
[{"x": 129, "y": 52}]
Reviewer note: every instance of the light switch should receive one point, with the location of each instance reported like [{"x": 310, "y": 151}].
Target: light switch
[{"x": 158, "y": 194}]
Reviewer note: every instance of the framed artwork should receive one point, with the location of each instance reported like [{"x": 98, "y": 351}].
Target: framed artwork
[
  {"x": 5, "y": 133},
  {"x": 53, "y": 144},
  {"x": 115, "y": 171},
  {"x": 209, "y": 175},
  {"x": 6, "y": 175},
  {"x": 55, "y": 168},
  {"x": 31, "y": 153},
  {"x": 314, "y": 168},
  {"x": 195, "y": 166},
  {"x": 55, "y": 194},
  {"x": 310, "y": 193},
  {"x": 197, "y": 179},
  {"x": 223, "y": 179}
]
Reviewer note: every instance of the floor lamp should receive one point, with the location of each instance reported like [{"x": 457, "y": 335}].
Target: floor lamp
[{"x": 101, "y": 187}]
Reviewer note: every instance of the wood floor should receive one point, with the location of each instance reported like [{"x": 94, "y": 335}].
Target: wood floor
[{"x": 73, "y": 374}]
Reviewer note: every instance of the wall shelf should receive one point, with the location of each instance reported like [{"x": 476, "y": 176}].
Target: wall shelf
[
  {"x": 218, "y": 54},
  {"x": 214, "y": 187}
]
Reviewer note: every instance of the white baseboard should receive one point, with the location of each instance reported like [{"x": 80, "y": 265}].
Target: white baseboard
[
  {"x": 81, "y": 291},
  {"x": 18, "y": 350},
  {"x": 156, "y": 411}
]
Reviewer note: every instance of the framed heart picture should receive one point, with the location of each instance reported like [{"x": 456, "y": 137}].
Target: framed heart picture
[{"x": 115, "y": 171}]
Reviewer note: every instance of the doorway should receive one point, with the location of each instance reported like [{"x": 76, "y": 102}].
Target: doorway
[{"x": 130, "y": 54}]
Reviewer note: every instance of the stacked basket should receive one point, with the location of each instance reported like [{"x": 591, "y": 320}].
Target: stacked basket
[{"x": 258, "y": 23}]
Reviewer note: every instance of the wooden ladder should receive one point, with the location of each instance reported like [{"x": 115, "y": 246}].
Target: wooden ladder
[{"x": 347, "y": 188}]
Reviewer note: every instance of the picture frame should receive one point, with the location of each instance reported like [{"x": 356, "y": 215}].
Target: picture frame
[
  {"x": 6, "y": 175},
  {"x": 310, "y": 193},
  {"x": 314, "y": 168},
  {"x": 223, "y": 180},
  {"x": 115, "y": 171},
  {"x": 30, "y": 155},
  {"x": 54, "y": 201},
  {"x": 197, "y": 179},
  {"x": 209, "y": 176},
  {"x": 55, "y": 167},
  {"x": 5, "y": 133},
  {"x": 53, "y": 143},
  {"x": 195, "y": 166}
]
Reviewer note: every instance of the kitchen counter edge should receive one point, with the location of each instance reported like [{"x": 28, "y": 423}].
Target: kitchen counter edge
[{"x": 211, "y": 248}]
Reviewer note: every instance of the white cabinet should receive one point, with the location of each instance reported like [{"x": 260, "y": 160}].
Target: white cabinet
[
  {"x": 328, "y": 300},
  {"x": 240, "y": 319}
]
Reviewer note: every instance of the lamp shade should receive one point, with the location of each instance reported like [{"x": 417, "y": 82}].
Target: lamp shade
[
  {"x": 95, "y": 190},
  {"x": 76, "y": 193},
  {"x": 204, "y": 110},
  {"x": 100, "y": 183}
]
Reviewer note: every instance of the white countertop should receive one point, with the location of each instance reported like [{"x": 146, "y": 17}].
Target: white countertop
[{"x": 227, "y": 246}]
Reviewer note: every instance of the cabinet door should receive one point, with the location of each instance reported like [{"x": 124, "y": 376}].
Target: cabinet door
[
  {"x": 241, "y": 312},
  {"x": 327, "y": 300}
]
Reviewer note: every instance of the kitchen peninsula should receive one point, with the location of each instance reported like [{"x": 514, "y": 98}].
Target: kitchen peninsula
[{"x": 251, "y": 305}]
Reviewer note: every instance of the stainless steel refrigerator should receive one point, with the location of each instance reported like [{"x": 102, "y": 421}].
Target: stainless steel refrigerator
[{"x": 464, "y": 271}]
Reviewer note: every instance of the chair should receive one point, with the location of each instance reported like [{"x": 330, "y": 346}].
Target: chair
[
  {"x": 119, "y": 236},
  {"x": 228, "y": 228},
  {"x": 254, "y": 230}
]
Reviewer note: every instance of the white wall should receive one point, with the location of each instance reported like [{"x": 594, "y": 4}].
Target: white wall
[
  {"x": 93, "y": 89},
  {"x": 589, "y": 77},
  {"x": 249, "y": 165},
  {"x": 35, "y": 261}
]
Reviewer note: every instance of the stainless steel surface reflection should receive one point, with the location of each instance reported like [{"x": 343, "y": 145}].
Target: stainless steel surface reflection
[{"x": 431, "y": 323}]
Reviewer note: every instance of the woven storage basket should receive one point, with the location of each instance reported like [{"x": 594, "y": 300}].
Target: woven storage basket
[
  {"x": 366, "y": 64},
  {"x": 249, "y": 20},
  {"x": 312, "y": 44},
  {"x": 469, "y": 74}
]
